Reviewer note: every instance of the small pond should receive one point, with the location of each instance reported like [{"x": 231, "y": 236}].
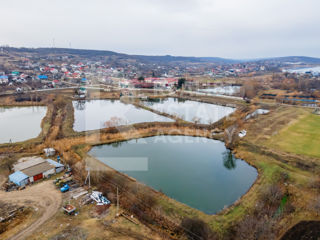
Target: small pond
[
  {"x": 191, "y": 110},
  {"x": 97, "y": 114},
  {"x": 20, "y": 123},
  {"x": 225, "y": 90},
  {"x": 257, "y": 113},
  {"x": 196, "y": 171}
]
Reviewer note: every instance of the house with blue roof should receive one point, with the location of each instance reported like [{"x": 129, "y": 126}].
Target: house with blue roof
[
  {"x": 19, "y": 178},
  {"x": 42, "y": 77}
]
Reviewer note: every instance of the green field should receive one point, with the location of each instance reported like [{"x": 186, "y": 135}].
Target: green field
[{"x": 302, "y": 137}]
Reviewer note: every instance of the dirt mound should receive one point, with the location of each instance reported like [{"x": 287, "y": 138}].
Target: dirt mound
[{"x": 305, "y": 230}]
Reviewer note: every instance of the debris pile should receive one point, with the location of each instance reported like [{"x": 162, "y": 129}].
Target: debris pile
[{"x": 99, "y": 198}]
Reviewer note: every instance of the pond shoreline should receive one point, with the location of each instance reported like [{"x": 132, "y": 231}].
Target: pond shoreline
[{"x": 94, "y": 160}]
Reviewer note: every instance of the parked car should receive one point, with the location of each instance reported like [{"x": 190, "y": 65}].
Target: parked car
[{"x": 65, "y": 188}]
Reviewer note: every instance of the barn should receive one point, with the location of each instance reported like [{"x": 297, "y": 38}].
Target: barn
[
  {"x": 29, "y": 170},
  {"x": 39, "y": 171}
]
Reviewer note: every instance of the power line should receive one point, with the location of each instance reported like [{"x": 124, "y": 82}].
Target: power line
[{"x": 143, "y": 203}]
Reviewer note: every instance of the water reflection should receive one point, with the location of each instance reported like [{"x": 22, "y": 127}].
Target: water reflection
[
  {"x": 191, "y": 111},
  {"x": 97, "y": 114},
  {"x": 229, "y": 161},
  {"x": 80, "y": 105},
  {"x": 116, "y": 144}
]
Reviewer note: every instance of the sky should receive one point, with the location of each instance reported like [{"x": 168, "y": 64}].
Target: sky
[{"x": 236, "y": 29}]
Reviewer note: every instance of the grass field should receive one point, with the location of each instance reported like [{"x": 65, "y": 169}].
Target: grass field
[{"x": 302, "y": 137}]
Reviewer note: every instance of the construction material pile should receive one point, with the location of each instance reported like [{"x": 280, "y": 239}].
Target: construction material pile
[{"x": 99, "y": 198}]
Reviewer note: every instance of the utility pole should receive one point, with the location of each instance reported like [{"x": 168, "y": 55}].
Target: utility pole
[
  {"x": 117, "y": 214},
  {"x": 88, "y": 177}
]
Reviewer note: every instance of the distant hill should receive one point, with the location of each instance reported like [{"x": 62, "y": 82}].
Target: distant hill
[
  {"x": 160, "y": 59},
  {"x": 100, "y": 53}
]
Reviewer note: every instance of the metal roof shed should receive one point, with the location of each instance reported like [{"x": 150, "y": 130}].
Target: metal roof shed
[
  {"x": 59, "y": 167},
  {"x": 19, "y": 178}
]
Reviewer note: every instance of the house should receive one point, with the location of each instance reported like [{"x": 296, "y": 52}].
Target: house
[
  {"x": 4, "y": 79},
  {"x": 42, "y": 77}
]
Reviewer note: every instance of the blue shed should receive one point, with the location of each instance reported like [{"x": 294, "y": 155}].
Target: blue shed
[{"x": 19, "y": 178}]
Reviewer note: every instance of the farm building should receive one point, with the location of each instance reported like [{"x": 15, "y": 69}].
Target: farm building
[
  {"x": 58, "y": 166},
  {"x": 29, "y": 170},
  {"x": 19, "y": 178},
  {"x": 39, "y": 171}
]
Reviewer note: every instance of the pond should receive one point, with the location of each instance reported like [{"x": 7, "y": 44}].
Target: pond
[
  {"x": 225, "y": 90},
  {"x": 97, "y": 114},
  {"x": 196, "y": 171},
  {"x": 315, "y": 70},
  {"x": 20, "y": 123},
  {"x": 191, "y": 110}
]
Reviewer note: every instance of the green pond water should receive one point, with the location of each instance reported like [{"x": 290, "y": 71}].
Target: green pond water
[{"x": 196, "y": 171}]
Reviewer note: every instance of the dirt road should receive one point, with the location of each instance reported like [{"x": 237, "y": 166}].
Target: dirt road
[{"x": 43, "y": 196}]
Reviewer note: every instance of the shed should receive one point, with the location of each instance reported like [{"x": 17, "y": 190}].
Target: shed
[
  {"x": 49, "y": 152},
  {"x": 19, "y": 178},
  {"x": 58, "y": 166}
]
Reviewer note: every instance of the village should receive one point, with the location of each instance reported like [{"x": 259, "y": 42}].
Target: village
[{"x": 55, "y": 185}]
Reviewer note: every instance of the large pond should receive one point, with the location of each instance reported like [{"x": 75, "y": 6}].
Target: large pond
[
  {"x": 199, "y": 172},
  {"x": 191, "y": 110},
  {"x": 97, "y": 114},
  {"x": 20, "y": 123}
]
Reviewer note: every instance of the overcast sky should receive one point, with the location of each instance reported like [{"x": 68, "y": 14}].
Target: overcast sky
[{"x": 222, "y": 28}]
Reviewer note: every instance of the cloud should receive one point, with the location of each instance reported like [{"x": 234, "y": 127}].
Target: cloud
[{"x": 226, "y": 28}]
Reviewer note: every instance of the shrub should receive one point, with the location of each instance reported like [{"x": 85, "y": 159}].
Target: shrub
[
  {"x": 272, "y": 195},
  {"x": 196, "y": 229}
]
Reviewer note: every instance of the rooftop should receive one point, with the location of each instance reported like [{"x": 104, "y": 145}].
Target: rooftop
[
  {"x": 17, "y": 177},
  {"x": 24, "y": 163},
  {"x": 56, "y": 164},
  {"x": 37, "y": 169}
]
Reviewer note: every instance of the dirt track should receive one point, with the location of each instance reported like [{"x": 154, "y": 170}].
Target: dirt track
[{"x": 43, "y": 196}]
